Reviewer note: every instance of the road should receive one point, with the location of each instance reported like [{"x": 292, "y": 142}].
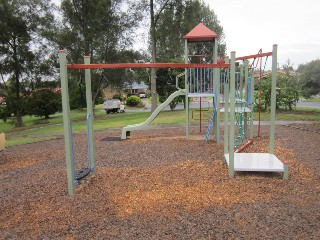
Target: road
[
  {"x": 209, "y": 104},
  {"x": 308, "y": 104}
]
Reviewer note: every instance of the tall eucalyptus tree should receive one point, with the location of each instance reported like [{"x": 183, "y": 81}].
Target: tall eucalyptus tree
[{"x": 26, "y": 30}]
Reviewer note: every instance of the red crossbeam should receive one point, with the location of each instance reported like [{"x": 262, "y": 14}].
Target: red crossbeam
[
  {"x": 254, "y": 56},
  {"x": 147, "y": 65},
  {"x": 244, "y": 146}
]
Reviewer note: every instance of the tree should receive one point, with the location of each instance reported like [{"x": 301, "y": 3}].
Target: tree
[
  {"x": 4, "y": 113},
  {"x": 154, "y": 17},
  {"x": 166, "y": 85},
  {"x": 169, "y": 21},
  {"x": 43, "y": 102},
  {"x": 25, "y": 32},
  {"x": 310, "y": 78},
  {"x": 103, "y": 30},
  {"x": 176, "y": 21},
  {"x": 180, "y": 18},
  {"x": 265, "y": 94},
  {"x": 288, "y": 89}
]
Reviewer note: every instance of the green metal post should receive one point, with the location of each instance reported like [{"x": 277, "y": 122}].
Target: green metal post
[
  {"x": 285, "y": 171},
  {"x": 226, "y": 117},
  {"x": 232, "y": 114},
  {"x": 246, "y": 98},
  {"x": 241, "y": 81},
  {"x": 216, "y": 79},
  {"x": 66, "y": 121},
  {"x": 273, "y": 99},
  {"x": 186, "y": 87},
  {"x": 252, "y": 105},
  {"x": 226, "y": 109},
  {"x": 246, "y": 82},
  {"x": 90, "y": 114}
]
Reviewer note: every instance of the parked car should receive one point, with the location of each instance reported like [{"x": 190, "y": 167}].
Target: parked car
[{"x": 114, "y": 106}]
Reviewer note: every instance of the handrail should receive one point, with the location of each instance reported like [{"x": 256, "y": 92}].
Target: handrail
[{"x": 180, "y": 75}]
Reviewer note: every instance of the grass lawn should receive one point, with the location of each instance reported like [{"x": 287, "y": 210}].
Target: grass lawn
[{"x": 34, "y": 131}]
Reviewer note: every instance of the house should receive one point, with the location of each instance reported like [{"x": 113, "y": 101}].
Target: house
[{"x": 137, "y": 88}]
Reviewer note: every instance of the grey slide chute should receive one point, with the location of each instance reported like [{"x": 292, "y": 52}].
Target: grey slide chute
[{"x": 152, "y": 116}]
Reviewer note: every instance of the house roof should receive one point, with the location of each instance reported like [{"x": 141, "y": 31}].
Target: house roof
[
  {"x": 201, "y": 33},
  {"x": 136, "y": 85}
]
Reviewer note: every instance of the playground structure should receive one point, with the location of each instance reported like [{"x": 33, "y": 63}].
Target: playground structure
[
  {"x": 216, "y": 80},
  {"x": 264, "y": 162}
]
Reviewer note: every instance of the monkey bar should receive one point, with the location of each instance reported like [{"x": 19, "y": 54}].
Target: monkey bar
[{"x": 146, "y": 65}]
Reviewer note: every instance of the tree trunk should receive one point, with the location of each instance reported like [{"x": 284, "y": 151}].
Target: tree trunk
[
  {"x": 19, "y": 122},
  {"x": 153, "y": 49}
]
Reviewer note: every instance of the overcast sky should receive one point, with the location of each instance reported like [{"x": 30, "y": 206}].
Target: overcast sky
[{"x": 253, "y": 24}]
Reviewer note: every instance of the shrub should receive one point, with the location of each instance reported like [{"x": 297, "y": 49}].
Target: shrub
[
  {"x": 117, "y": 96},
  {"x": 43, "y": 103},
  {"x": 133, "y": 101},
  {"x": 4, "y": 113}
]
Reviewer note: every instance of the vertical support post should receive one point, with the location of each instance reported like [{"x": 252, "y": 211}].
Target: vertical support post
[
  {"x": 90, "y": 119},
  {"x": 285, "y": 171},
  {"x": 66, "y": 121},
  {"x": 186, "y": 87},
  {"x": 200, "y": 113},
  {"x": 241, "y": 82},
  {"x": 246, "y": 99},
  {"x": 251, "y": 101},
  {"x": 232, "y": 114},
  {"x": 246, "y": 86},
  {"x": 226, "y": 114},
  {"x": 226, "y": 107},
  {"x": 273, "y": 99},
  {"x": 190, "y": 84},
  {"x": 216, "y": 77}
]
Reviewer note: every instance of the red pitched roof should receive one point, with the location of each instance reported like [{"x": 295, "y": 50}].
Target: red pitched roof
[{"x": 201, "y": 33}]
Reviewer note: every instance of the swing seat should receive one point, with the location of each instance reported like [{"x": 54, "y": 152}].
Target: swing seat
[{"x": 82, "y": 173}]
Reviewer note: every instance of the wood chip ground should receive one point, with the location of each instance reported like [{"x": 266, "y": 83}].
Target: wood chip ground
[{"x": 158, "y": 185}]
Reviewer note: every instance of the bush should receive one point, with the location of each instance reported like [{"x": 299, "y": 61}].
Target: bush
[
  {"x": 43, "y": 103},
  {"x": 133, "y": 101},
  {"x": 117, "y": 96},
  {"x": 4, "y": 113}
]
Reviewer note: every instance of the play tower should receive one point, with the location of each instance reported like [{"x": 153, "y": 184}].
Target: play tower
[{"x": 203, "y": 82}]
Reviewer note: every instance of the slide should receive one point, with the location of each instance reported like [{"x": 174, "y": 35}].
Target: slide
[{"x": 152, "y": 116}]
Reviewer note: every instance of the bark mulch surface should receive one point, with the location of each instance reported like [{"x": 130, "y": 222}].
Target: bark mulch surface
[{"x": 158, "y": 185}]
